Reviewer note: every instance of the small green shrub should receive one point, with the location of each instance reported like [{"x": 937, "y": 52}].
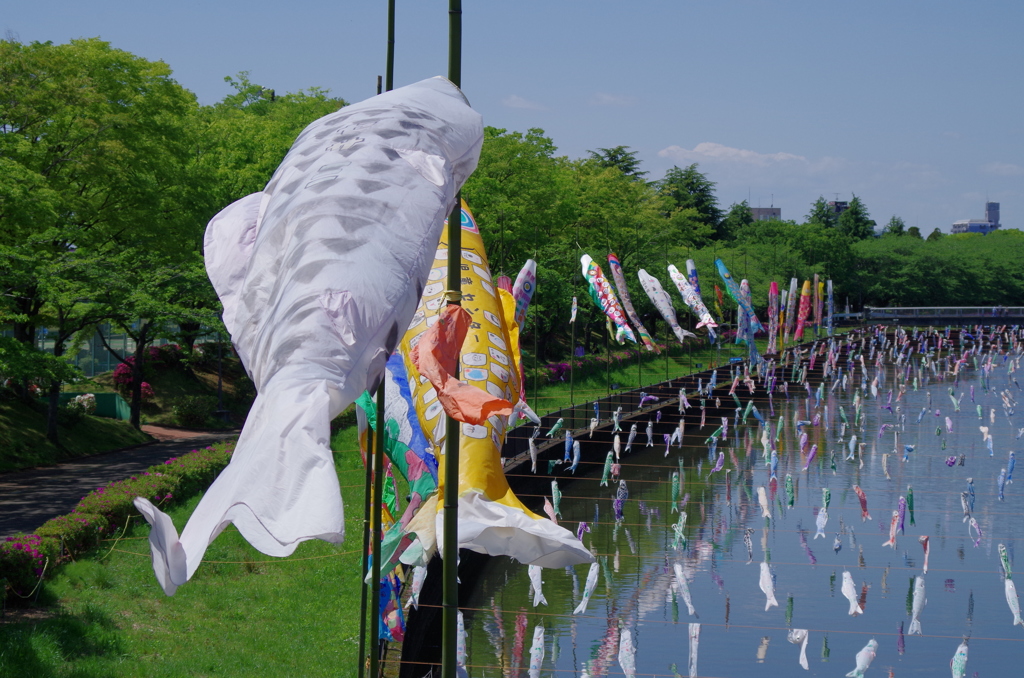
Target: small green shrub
[
  {"x": 196, "y": 470},
  {"x": 114, "y": 500},
  {"x": 69, "y": 414},
  {"x": 194, "y": 411},
  {"x": 79, "y": 531}
]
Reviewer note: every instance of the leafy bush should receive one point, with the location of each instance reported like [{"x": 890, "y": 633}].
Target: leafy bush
[
  {"x": 103, "y": 511},
  {"x": 114, "y": 500},
  {"x": 86, "y": 401},
  {"x": 69, "y": 414},
  {"x": 194, "y": 411},
  {"x": 23, "y": 557},
  {"x": 78, "y": 531},
  {"x": 196, "y": 470}
]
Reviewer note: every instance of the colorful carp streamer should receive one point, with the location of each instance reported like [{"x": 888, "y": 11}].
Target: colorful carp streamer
[
  {"x": 661, "y": 300},
  {"x": 603, "y": 295},
  {"x": 693, "y": 300},
  {"x": 805, "y": 309},
  {"x": 733, "y": 288},
  {"x": 773, "y": 318},
  {"x": 691, "y": 275},
  {"x": 627, "y": 303},
  {"x": 492, "y": 520},
  {"x": 522, "y": 291},
  {"x": 790, "y": 311}
]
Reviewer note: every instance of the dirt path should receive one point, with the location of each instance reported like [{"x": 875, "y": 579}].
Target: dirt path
[{"x": 30, "y": 498}]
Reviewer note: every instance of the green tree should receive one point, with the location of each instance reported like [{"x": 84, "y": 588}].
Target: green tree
[
  {"x": 855, "y": 222},
  {"x": 896, "y": 226},
  {"x": 737, "y": 220},
  {"x": 621, "y": 158},
  {"x": 936, "y": 235},
  {"x": 690, "y": 189},
  {"x": 822, "y": 213},
  {"x": 148, "y": 294},
  {"x": 914, "y": 232},
  {"x": 243, "y": 138},
  {"x": 98, "y": 141},
  {"x": 521, "y": 192}
]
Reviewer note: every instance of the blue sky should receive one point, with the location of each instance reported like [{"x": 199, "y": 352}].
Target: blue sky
[{"x": 914, "y": 106}]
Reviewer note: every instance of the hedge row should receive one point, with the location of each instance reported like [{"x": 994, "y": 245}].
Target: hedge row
[{"x": 102, "y": 512}]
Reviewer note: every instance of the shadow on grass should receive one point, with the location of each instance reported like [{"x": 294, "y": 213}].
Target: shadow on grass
[{"x": 42, "y": 646}]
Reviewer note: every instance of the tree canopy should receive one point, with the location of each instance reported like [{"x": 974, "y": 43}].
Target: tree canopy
[{"x": 112, "y": 171}]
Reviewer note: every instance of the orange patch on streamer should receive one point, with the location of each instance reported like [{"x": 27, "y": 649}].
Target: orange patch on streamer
[{"x": 436, "y": 357}]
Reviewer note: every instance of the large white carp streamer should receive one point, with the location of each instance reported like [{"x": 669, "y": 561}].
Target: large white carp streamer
[{"x": 320, "y": 275}]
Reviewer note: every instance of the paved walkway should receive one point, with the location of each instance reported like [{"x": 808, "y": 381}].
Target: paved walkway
[{"x": 30, "y": 498}]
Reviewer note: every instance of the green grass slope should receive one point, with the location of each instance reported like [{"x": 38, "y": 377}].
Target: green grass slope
[{"x": 23, "y": 442}]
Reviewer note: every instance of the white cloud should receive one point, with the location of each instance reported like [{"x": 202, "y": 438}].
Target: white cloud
[
  {"x": 605, "y": 99},
  {"x": 739, "y": 159},
  {"x": 1003, "y": 169},
  {"x": 516, "y": 101}
]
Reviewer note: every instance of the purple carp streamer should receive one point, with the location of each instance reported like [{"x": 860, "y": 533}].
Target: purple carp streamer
[
  {"x": 620, "y": 285},
  {"x": 603, "y": 295},
  {"x": 320, "y": 275}
]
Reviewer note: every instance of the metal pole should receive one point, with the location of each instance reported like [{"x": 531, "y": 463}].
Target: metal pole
[
  {"x": 367, "y": 489},
  {"x": 389, "y": 72},
  {"x": 572, "y": 377},
  {"x": 450, "y": 595},
  {"x": 375, "y": 524}
]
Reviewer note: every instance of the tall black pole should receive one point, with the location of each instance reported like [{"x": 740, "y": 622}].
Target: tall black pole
[
  {"x": 389, "y": 72},
  {"x": 367, "y": 493},
  {"x": 450, "y": 595},
  {"x": 376, "y": 516}
]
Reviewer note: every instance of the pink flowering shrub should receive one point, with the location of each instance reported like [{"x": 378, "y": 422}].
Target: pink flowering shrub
[
  {"x": 79, "y": 531},
  {"x": 104, "y": 512},
  {"x": 22, "y": 559},
  {"x": 156, "y": 356}
]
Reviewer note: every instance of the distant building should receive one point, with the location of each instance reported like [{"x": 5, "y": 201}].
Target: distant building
[
  {"x": 766, "y": 213},
  {"x": 983, "y": 226},
  {"x": 838, "y": 206}
]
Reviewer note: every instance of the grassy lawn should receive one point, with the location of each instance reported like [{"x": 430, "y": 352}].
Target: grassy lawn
[
  {"x": 598, "y": 382},
  {"x": 23, "y": 425},
  {"x": 23, "y": 432},
  {"x": 242, "y": 614}
]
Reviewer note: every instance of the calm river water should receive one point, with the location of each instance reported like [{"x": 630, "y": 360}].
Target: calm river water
[{"x": 637, "y": 596}]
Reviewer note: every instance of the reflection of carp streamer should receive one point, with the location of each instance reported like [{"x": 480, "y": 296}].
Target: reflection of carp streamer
[
  {"x": 319, "y": 275},
  {"x": 602, "y": 294}
]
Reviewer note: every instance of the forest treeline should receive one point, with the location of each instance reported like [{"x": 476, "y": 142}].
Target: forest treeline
[{"x": 110, "y": 170}]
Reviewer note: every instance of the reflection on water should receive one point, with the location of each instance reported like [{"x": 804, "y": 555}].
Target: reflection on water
[{"x": 871, "y": 532}]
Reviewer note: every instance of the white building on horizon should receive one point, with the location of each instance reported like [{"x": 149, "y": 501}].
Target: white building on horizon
[{"x": 983, "y": 226}]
